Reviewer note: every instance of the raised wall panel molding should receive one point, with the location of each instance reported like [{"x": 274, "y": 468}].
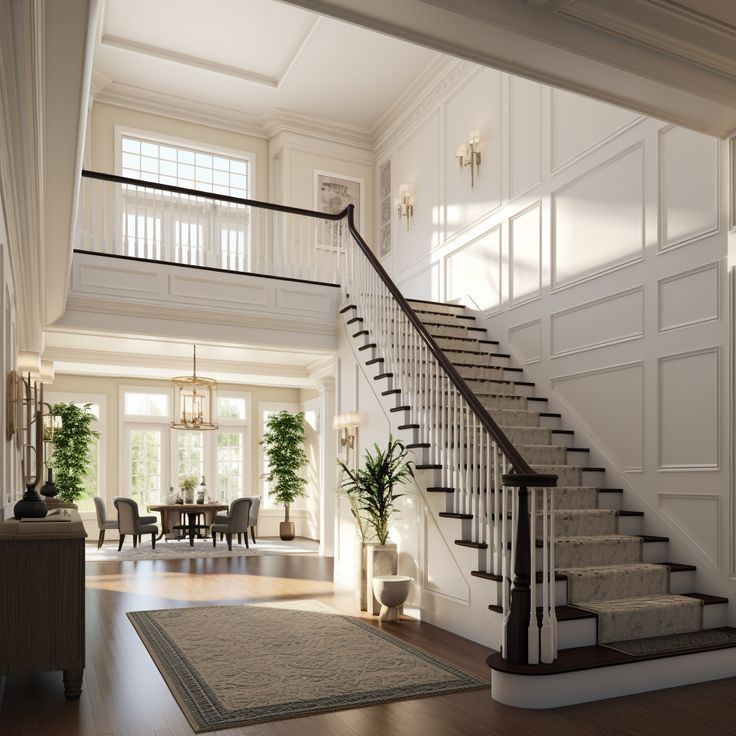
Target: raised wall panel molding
[
  {"x": 101, "y": 280},
  {"x": 608, "y": 320},
  {"x": 476, "y": 281},
  {"x": 214, "y": 291},
  {"x": 688, "y": 187},
  {"x": 525, "y": 341},
  {"x": 180, "y": 108},
  {"x": 698, "y": 517},
  {"x": 689, "y": 298},
  {"x": 608, "y": 405},
  {"x": 416, "y": 287},
  {"x": 612, "y": 192},
  {"x": 422, "y": 98},
  {"x": 525, "y": 255},
  {"x": 689, "y": 401},
  {"x": 303, "y": 300},
  {"x": 524, "y": 142},
  {"x": 580, "y": 123}
]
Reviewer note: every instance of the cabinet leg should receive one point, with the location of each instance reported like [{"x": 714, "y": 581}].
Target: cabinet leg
[{"x": 73, "y": 683}]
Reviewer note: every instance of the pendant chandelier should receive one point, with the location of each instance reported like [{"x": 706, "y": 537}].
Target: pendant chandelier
[{"x": 194, "y": 400}]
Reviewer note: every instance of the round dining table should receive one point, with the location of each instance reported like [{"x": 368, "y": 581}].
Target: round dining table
[{"x": 171, "y": 515}]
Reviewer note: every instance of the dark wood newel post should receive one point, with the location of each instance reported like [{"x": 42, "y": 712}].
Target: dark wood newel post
[
  {"x": 517, "y": 641},
  {"x": 517, "y": 628}
]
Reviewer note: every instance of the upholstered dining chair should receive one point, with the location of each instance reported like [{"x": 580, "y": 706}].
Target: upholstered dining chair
[
  {"x": 130, "y": 522},
  {"x": 255, "y": 506},
  {"x": 236, "y": 522},
  {"x": 103, "y": 523}
]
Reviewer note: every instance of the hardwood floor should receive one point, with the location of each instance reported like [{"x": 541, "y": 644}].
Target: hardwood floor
[{"x": 124, "y": 695}]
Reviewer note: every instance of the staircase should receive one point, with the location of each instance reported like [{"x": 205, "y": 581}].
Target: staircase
[{"x": 618, "y": 602}]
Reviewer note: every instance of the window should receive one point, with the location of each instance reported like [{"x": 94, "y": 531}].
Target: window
[
  {"x": 158, "y": 456},
  {"x": 184, "y": 166}
]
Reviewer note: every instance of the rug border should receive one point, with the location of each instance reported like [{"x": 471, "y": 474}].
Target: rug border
[{"x": 190, "y": 713}]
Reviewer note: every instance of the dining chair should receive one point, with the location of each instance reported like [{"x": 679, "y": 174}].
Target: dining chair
[
  {"x": 236, "y": 522},
  {"x": 252, "y": 520},
  {"x": 103, "y": 523},
  {"x": 130, "y": 522}
]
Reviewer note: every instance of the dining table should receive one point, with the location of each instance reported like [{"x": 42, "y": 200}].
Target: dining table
[{"x": 171, "y": 517}]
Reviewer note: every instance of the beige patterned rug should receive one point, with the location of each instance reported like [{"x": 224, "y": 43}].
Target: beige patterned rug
[{"x": 231, "y": 666}]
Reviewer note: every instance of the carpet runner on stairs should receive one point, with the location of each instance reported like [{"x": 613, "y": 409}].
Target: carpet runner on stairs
[{"x": 604, "y": 569}]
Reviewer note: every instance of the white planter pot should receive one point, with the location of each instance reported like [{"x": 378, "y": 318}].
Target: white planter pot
[{"x": 381, "y": 559}]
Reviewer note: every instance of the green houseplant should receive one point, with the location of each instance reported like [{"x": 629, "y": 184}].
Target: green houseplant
[
  {"x": 371, "y": 491},
  {"x": 188, "y": 483},
  {"x": 373, "y": 486},
  {"x": 283, "y": 444},
  {"x": 71, "y": 444}
]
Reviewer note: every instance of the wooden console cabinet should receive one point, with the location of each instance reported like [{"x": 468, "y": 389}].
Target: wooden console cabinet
[{"x": 42, "y": 599}]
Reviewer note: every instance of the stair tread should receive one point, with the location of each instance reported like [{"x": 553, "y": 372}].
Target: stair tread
[
  {"x": 498, "y": 578},
  {"x": 453, "y": 515},
  {"x": 468, "y": 543},
  {"x": 563, "y": 613},
  {"x": 708, "y": 600},
  {"x": 439, "y": 304},
  {"x": 593, "y": 657}
]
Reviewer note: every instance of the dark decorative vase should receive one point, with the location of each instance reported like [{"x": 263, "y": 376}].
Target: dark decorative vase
[
  {"x": 286, "y": 530},
  {"x": 48, "y": 489},
  {"x": 31, "y": 506}
]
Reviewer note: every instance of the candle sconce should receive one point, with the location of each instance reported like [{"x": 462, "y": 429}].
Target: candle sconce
[
  {"x": 405, "y": 205},
  {"x": 469, "y": 155}
]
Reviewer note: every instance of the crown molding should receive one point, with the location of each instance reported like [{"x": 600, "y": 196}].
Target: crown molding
[
  {"x": 180, "y": 108},
  {"x": 279, "y": 121},
  {"x": 99, "y": 82},
  {"x": 426, "y": 92}
]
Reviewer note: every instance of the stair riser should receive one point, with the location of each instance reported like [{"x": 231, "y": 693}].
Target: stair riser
[
  {"x": 445, "y": 319},
  {"x": 655, "y": 552},
  {"x": 682, "y": 582},
  {"x": 610, "y": 501},
  {"x": 631, "y": 525},
  {"x": 420, "y": 307},
  {"x": 482, "y": 360}
]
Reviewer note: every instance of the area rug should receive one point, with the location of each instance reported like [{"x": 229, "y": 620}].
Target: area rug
[
  {"x": 202, "y": 549},
  {"x": 676, "y": 642},
  {"x": 231, "y": 666}
]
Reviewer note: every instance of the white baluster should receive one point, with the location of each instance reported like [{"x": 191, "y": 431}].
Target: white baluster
[{"x": 533, "y": 632}]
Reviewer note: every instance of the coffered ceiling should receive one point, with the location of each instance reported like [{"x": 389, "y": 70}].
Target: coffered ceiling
[{"x": 252, "y": 56}]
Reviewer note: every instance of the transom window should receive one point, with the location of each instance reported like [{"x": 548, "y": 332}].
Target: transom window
[{"x": 182, "y": 166}]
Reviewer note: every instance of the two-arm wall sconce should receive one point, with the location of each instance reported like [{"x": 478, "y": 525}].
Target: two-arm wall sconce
[
  {"x": 405, "y": 205},
  {"x": 469, "y": 155},
  {"x": 346, "y": 424}
]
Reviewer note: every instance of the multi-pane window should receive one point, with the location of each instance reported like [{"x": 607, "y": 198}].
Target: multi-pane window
[
  {"x": 190, "y": 454},
  {"x": 140, "y": 404},
  {"x": 230, "y": 465},
  {"x": 146, "y": 460},
  {"x": 184, "y": 166}
]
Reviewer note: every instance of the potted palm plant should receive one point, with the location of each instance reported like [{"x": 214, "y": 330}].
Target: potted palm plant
[
  {"x": 374, "y": 486},
  {"x": 71, "y": 453},
  {"x": 283, "y": 444}
]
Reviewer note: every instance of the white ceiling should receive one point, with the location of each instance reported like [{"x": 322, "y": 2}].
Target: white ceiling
[
  {"x": 255, "y": 56},
  {"x": 99, "y": 354}
]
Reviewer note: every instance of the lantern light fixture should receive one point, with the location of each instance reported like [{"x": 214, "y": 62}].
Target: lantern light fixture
[{"x": 194, "y": 400}]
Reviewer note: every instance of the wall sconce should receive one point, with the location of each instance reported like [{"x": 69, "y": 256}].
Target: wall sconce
[
  {"x": 469, "y": 155},
  {"x": 405, "y": 205},
  {"x": 347, "y": 424}
]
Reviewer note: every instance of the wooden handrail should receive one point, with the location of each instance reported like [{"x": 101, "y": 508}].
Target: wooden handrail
[{"x": 115, "y": 179}]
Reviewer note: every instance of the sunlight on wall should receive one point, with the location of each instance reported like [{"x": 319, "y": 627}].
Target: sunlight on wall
[{"x": 474, "y": 272}]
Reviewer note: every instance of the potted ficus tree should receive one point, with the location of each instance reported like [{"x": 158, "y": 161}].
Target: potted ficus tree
[
  {"x": 71, "y": 449},
  {"x": 283, "y": 445},
  {"x": 375, "y": 486}
]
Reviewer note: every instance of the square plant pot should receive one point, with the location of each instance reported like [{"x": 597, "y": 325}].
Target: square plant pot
[{"x": 381, "y": 559}]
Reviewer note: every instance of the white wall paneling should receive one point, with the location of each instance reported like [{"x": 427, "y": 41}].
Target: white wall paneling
[
  {"x": 423, "y": 284},
  {"x": 463, "y": 204},
  {"x": 605, "y": 321},
  {"x": 418, "y": 167},
  {"x": 580, "y": 124},
  {"x": 473, "y": 273},
  {"x": 689, "y": 298},
  {"x": 688, "y": 186},
  {"x": 442, "y": 575},
  {"x": 689, "y": 400},
  {"x": 697, "y": 515},
  {"x": 598, "y": 219},
  {"x": 604, "y": 401},
  {"x": 525, "y": 254},
  {"x": 525, "y": 341},
  {"x": 525, "y": 135}
]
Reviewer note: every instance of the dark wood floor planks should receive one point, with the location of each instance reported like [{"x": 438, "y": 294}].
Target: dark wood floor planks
[{"x": 124, "y": 695}]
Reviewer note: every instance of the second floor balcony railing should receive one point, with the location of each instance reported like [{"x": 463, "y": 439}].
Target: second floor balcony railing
[{"x": 119, "y": 216}]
